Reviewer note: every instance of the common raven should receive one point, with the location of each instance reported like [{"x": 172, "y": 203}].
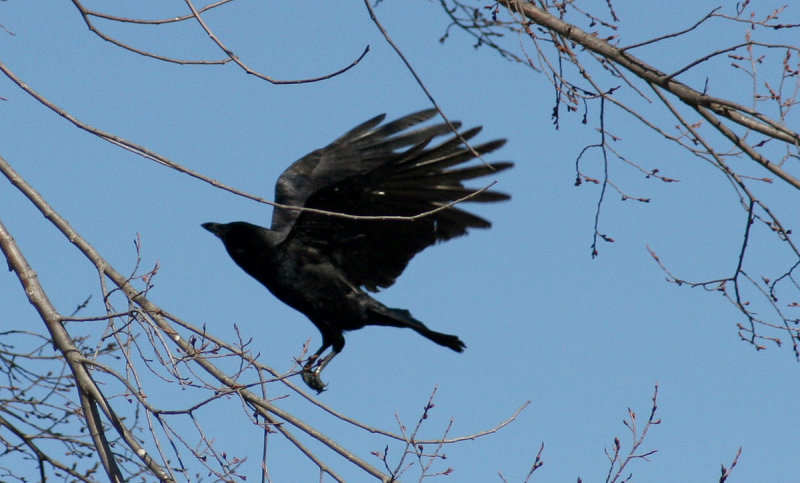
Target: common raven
[{"x": 321, "y": 264}]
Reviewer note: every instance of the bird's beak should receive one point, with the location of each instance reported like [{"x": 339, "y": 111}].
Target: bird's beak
[{"x": 214, "y": 228}]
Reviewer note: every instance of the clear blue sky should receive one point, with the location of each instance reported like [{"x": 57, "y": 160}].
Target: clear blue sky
[{"x": 581, "y": 339}]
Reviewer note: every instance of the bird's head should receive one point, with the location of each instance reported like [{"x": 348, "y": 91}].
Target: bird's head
[
  {"x": 218, "y": 229},
  {"x": 240, "y": 235},
  {"x": 237, "y": 232}
]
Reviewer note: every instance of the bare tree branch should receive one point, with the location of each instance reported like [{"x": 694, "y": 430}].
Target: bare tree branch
[
  {"x": 91, "y": 396},
  {"x": 87, "y": 15},
  {"x": 739, "y": 114}
]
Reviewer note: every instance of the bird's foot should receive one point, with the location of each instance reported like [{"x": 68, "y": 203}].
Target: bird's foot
[
  {"x": 312, "y": 379},
  {"x": 311, "y": 376}
]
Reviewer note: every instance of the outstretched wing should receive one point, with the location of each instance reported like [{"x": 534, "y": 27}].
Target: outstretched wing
[
  {"x": 386, "y": 172},
  {"x": 355, "y": 153}
]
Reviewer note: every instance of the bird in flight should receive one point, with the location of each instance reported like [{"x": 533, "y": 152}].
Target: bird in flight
[{"x": 397, "y": 190}]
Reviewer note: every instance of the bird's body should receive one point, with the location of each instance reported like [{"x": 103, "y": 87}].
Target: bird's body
[{"x": 320, "y": 264}]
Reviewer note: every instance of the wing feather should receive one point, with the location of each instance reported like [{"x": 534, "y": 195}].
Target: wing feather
[
  {"x": 356, "y": 152},
  {"x": 383, "y": 171}
]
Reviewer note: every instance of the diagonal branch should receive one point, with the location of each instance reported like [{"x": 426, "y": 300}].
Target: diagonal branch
[
  {"x": 734, "y": 112},
  {"x": 265, "y": 408},
  {"x": 164, "y": 161},
  {"x": 421, "y": 84},
  {"x": 40, "y": 454},
  {"x": 90, "y": 395}
]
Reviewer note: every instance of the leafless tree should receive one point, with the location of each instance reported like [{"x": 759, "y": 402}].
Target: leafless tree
[
  {"x": 142, "y": 347},
  {"x": 76, "y": 396},
  {"x": 594, "y": 68}
]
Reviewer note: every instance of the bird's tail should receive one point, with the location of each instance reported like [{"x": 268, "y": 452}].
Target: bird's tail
[{"x": 402, "y": 318}]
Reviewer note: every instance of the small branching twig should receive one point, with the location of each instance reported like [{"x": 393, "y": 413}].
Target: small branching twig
[
  {"x": 195, "y": 14},
  {"x": 615, "y": 456},
  {"x": 538, "y": 462},
  {"x": 726, "y": 472},
  {"x": 585, "y": 66}
]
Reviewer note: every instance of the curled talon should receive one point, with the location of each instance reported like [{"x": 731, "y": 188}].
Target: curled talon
[{"x": 312, "y": 379}]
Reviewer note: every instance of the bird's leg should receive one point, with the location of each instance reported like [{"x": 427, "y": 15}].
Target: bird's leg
[{"x": 311, "y": 374}]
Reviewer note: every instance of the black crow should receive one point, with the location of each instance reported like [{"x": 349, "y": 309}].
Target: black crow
[{"x": 321, "y": 264}]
